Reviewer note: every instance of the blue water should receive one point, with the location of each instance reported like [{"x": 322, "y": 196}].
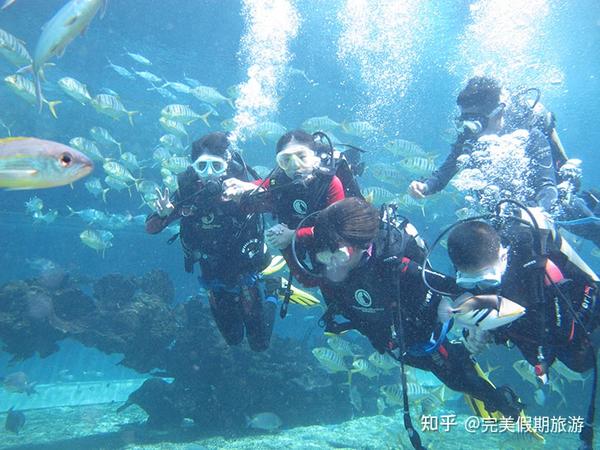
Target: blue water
[{"x": 203, "y": 40}]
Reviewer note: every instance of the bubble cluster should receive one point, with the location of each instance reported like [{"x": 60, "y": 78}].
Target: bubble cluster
[
  {"x": 270, "y": 26},
  {"x": 381, "y": 41}
]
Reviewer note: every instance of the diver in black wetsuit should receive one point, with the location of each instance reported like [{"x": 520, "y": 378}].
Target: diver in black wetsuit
[
  {"x": 485, "y": 112},
  {"x": 561, "y": 296},
  {"x": 227, "y": 244},
  {"x": 368, "y": 270}
]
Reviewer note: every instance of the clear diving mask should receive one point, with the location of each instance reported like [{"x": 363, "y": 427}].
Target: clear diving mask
[
  {"x": 297, "y": 159},
  {"x": 209, "y": 166},
  {"x": 487, "y": 278},
  {"x": 474, "y": 123}
]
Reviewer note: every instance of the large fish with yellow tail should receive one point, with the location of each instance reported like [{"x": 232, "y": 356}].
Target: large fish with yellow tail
[
  {"x": 69, "y": 22},
  {"x": 31, "y": 163}
]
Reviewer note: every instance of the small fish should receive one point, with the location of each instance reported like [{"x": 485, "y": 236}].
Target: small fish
[
  {"x": 15, "y": 420},
  {"x": 191, "y": 81},
  {"x": 148, "y": 76},
  {"x": 568, "y": 374},
  {"x": 130, "y": 161},
  {"x": 361, "y": 129},
  {"x": 527, "y": 372},
  {"x": 75, "y": 89},
  {"x": 99, "y": 240},
  {"x": 112, "y": 107},
  {"x": 388, "y": 174},
  {"x": 34, "y": 204},
  {"x": 330, "y": 360},
  {"x": 176, "y": 86},
  {"x": 87, "y": 147},
  {"x": 173, "y": 127},
  {"x": 165, "y": 93},
  {"x": 172, "y": 142},
  {"x": 418, "y": 165},
  {"x": 485, "y": 312},
  {"x": 341, "y": 346},
  {"x": 89, "y": 216},
  {"x": 210, "y": 95},
  {"x": 161, "y": 154},
  {"x": 365, "y": 368},
  {"x": 14, "y": 50},
  {"x": 416, "y": 393},
  {"x": 378, "y": 195},
  {"x": 381, "y": 406},
  {"x": 68, "y": 23},
  {"x": 169, "y": 180},
  {"x": 147, "y": 187},
  {"x": 234, "y": 91},
  {"x": 292, "y": 71},
  {"x": 176, "y": 164},
  {"x": 26, "y": 90},
  {"x": 121, "y": 70},
  {"x": 118, "y": 171},
  {"x": 108, "y": 91},
  {"x": 264, "y": 421},
  {"x": 138, "y": 58},
  {"x": 183, "y": 114},
  {"x": 321, "y": 123},
  {"x": 49, "y": 217},
  {"x": 31, "y": 163},
  {"x": 94, "y": 187},
  {"x": 102, "y": 136},
  {"x": 19, "y": 383},
  {"x": 384, "y": 362},
  {"x": 401, "y": 147},
  {"x": 116, "y": 184}
]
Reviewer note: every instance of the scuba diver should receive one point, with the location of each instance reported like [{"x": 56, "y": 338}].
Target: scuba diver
[
  {"x": 227, "y": 244},
  {"x": 486, "y": 110},
  {"x": 299, "y": 186},
  {"x": 526, "y": 261},
  {"x": 367, "y": 266}
]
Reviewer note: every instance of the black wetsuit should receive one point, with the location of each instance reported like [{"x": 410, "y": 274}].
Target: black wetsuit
[
  {"x": 229, "y": 248},
  {"x": 368, "y": 300},
  {"x": 539, "y": 151},
  {"x": 566, "y": 339}
]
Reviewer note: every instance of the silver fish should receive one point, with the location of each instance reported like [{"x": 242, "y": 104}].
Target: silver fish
[
  {"x": 68, "y": 23},
  {"x": 121, "y": 70},
  {"x": 14, "y": 50}
]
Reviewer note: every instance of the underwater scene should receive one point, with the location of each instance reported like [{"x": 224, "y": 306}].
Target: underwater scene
[{"x": 267, "y": 224}]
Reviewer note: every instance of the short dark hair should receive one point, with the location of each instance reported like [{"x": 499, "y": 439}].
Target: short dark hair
[
  {"x": 482, "y": 93},
  {"x": 215, "y": 144},
  {"x": 473, "y": 244},
  {"x": 351, "y": 220},
  {"x": 299, "y": 136}
]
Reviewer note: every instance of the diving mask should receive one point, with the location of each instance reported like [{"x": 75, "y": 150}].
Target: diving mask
[
  {"x": 209, "y": 166},
  {"x": 487, "y": 278},
  {"x": 297, "y": 159},
  {"x": 474, "y": 123}
]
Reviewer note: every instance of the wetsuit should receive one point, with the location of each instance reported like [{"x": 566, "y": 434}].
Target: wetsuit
[
  {"x": 539, "y": 150},
  {"x": 566, "y": 339},
  {"x": 291, "y": 201},
  {"x": 230, "y": 250},
  {"x": 368, "y": 300}
]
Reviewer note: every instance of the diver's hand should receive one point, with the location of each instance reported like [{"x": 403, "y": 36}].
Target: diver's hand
[
  {"x": 279, "y": 236},
  {"x": 476, "y": 340},
  {"x": 417, "y": 189},
  {"x": 234, "y": 188},
  {"x": 163, "y": 205}
]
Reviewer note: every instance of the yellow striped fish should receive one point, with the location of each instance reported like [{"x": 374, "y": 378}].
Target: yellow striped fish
[
  {"x": 176, "y": 164},
  {"x": 86, "y": 146},
  {"x": 14, "y": 50},
  {"x": 183, "y": 114},
  {"x": 26, "y": 90},
  {"x": 418, "y": 165},
  {"x": 330, "y": 360},
  {"x": 401, "y": 147},
  {"x": 173, "y": 127},
  {"x": 118, "y": 171},
  {"x": 75, "y": 89},
  {"x": 112, "y": 107}
]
